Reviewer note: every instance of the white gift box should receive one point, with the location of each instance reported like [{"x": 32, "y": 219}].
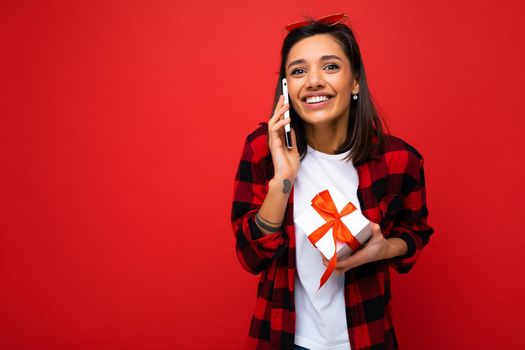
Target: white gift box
[{"x": 310, "y": 220}]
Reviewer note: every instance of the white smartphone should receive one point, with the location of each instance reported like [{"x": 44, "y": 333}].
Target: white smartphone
[{"x": 287, "y": 130}]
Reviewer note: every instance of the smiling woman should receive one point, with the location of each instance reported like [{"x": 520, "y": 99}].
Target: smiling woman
[
  {"x": 338, "y": 146},
  {"x": 331, "y": 58},
  {"x": 320, "y": 87}
]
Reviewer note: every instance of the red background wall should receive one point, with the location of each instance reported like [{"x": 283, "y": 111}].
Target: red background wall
[{"x": 122, "y": 124}]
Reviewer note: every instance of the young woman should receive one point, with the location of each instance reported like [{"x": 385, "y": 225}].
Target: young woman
[{"x": 337, "y": 142}]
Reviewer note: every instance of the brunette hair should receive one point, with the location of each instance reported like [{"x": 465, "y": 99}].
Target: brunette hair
[{"x": 364, "y": 121}]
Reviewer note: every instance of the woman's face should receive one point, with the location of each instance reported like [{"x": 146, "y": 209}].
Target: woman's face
[{"x": 320, "y": 80}]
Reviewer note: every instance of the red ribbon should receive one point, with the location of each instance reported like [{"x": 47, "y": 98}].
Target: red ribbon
[{"x": 325, "y": 206}]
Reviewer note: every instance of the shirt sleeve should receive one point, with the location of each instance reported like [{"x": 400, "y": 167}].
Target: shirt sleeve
[
  {"x": 411, "y": 224},
  {"x": 255, "y": 249}
]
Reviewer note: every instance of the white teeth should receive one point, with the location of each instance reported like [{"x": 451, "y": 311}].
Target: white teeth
[{"x": 316, "y": 99}]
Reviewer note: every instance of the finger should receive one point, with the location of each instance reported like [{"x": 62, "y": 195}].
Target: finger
[
  {"x": 354, "y": 260},
  {"x": 325, "y": 260},
  {"x": 276, "y": 132},
  {"x": 279, "y": 114},
  {"x": 278, "y": 109},
  {"x": 376, "y": 231},
  {"x": 343, "y": 269},
  {"x": 294, "y": 140},
  {"x": 344, "y": 263},
  {"x": 279, "y": 104},
  {"x": 280, "y": 124}
]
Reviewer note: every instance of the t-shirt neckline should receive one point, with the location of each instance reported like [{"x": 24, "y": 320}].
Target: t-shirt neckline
[{"x": 326, "y": 155}]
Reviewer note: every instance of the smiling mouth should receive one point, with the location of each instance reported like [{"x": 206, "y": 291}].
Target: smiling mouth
[{"x": 317, "y": 102}]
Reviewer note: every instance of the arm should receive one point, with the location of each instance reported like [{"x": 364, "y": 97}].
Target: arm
[
  {"x": 396, "y": 247},
  {"x": 256, "y": 248},
  {"x": 411, "y": 223}
]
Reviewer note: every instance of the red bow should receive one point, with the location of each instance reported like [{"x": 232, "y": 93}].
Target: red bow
[{"x": 325, "y": 206}]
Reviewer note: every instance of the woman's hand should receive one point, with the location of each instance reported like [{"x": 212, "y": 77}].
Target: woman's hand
[
  {"x": 285, "y": 161},
  {"x": 377, "y": 248}
]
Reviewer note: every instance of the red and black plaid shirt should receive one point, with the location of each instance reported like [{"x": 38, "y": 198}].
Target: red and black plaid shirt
[{"x": 391, "y": 192}]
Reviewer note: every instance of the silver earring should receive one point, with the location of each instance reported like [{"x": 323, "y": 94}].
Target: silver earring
[{"x": 355, "y": 97}]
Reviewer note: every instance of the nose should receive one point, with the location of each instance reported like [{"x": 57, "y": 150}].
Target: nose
[{"x": 314, "y": 80}]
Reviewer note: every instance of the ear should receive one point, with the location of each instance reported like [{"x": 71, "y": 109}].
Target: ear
[{"x": 355, "y": 87}]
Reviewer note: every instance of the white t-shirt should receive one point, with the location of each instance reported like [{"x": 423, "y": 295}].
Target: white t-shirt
[{"x": 320, "y": 317}]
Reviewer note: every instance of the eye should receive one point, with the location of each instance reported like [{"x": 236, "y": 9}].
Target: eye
[
  {"x": 330, "y": 66},
  {"x": 296, "y": 71},
  {"x": 335, "y": 66}
]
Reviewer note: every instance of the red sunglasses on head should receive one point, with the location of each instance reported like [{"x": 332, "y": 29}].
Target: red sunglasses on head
[{"x": 328, "y": 20}]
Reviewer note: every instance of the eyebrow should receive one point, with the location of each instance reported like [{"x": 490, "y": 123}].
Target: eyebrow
[{"x": 323, "y": 58}]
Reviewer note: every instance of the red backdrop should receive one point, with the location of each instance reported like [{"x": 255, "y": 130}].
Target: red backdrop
[{"x": 122, "y": 124}]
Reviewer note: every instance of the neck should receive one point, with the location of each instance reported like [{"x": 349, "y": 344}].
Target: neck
[{"x": 327, "y": 137}]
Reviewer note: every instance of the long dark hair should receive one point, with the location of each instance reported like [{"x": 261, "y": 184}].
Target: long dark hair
[{"x": 364, "y": 122}]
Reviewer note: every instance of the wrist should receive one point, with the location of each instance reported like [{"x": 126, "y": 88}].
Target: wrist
[
  {"x": 396, "y": 247},
  {"x": 266, "y": 226},
  {"x": 281, "y": 185}
]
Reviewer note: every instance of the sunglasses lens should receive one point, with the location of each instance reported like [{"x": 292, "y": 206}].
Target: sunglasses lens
[
  {"x": 292, "y": 26},
  {"x": 329, "y": 20},
  {"x": 332, "y": 19}
]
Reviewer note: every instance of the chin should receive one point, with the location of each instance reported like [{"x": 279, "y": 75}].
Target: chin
[{"x": 319, "y": 118}]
